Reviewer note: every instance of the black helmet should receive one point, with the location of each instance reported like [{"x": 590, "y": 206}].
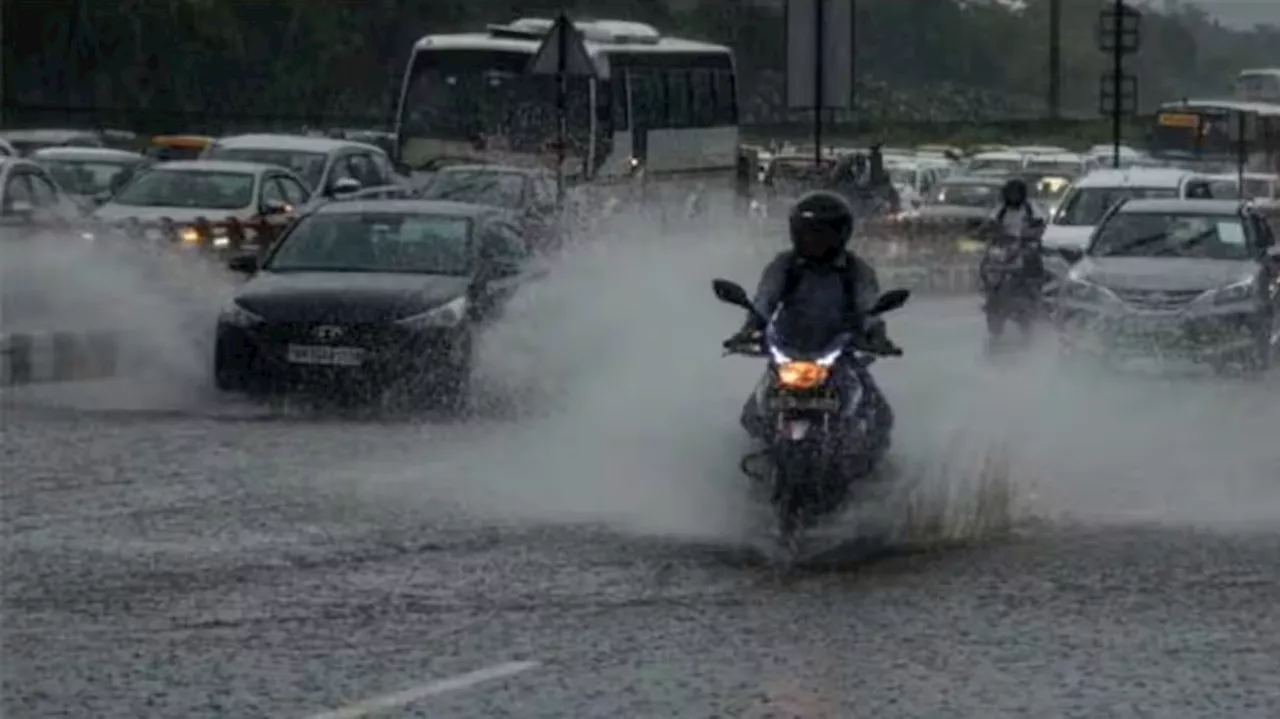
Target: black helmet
[
  {"x": 821, "y": 225},
  {"x": 1014, "y": 192}
]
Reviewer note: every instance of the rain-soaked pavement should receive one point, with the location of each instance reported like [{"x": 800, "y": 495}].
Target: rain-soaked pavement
[{"x": 216, "y": 560}]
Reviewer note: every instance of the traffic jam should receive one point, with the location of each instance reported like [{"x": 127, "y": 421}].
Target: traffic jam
[{"x": 370, "y": 257}]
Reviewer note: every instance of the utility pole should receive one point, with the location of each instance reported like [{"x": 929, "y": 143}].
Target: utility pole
[
  {"x": 1118, "y": 93},
  {"x": 1055, "y": 59}
]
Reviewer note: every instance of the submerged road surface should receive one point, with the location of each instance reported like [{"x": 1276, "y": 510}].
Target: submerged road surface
[{"x": 204, "y": 558}]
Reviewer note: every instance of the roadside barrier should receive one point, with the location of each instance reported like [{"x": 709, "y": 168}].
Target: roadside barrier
[{"x": 45, "y": 357}]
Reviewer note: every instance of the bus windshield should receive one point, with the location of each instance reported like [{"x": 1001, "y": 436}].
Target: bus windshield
[{"x": 485, "y": 97}]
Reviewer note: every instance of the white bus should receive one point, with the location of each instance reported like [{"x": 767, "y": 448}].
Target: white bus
[
  {"x": 666, "y": 105},
  {"x": 1261, "y": 85}
]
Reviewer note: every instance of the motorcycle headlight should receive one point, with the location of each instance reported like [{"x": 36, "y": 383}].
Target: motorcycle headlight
[
  {"x": 1238, "y": 292},
  {"x": 238, "y": 316},
  {"x": 450, "y": 314},
  {"x": 802, "y": 375}
]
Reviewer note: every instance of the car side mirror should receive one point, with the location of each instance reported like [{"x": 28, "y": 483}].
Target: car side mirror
[
  {"x": 1272, "y": 253},
  {"x": 343, "y": 187},
  {"x": 245, "y": 264},
  {"x": 402, "y": 168},
  {"x": 501, "y": 269},
  {"x": 21, "y": 209},
  {"x": 275, "y": 207}
]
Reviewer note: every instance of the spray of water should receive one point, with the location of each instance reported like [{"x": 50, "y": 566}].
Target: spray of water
[
  {"x": 160, "y": 301},
  {"x": 626, "y": 414}
]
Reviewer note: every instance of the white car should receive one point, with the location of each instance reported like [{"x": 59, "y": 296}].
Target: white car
[
  {"x": 29, "y": 195},
  {"x": 89, "y": 174},
  {"x": 329, "y": 167},
  {"x": 998, "y": 161},
  {"x": 1257, "y": 186},
  {"x": 1070, "y": 164},
  {"x": 1091, "y": 196},
  {"x": 198, "y": 202}
]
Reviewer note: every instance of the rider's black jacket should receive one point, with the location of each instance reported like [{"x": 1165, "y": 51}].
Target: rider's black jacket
[{"x": 821, "y": 299}]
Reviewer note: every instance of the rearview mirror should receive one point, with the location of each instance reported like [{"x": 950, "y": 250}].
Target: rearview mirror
[
  {"x": 889, "y": 301},
  {"x": 246, "y": 264},
  {"x": 731, "y": 293}
]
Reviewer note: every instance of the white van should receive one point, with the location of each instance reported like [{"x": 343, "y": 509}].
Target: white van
[{"x": 1091, "y": 196}]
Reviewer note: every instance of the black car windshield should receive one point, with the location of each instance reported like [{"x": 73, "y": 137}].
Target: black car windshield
[
  {"x": 188, "y": 188},
  {"x": 89, "y": 177},
  {"x": 1087, "y": 205},
  {"x": 1151, "y": 234},
  {"x": 377, "y": 242},
  {"x": 307, "y": 165},
  {"x": 478, "y": 187},
  {"x": 966, "y": 194}
]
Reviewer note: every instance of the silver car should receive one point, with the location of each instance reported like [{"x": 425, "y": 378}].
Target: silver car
[
  {"x": 331, "y": 168},
  {"x": 1188, "y": 279},
  {"x": 89, "y": 175},
  {"x": 207, "y": 202}
]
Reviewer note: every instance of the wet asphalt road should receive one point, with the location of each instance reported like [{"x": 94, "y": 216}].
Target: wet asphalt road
[{"x": 188, "y": 563}]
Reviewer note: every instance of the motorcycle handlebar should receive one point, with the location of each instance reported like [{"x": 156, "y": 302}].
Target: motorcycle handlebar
[{"x": 756, "y": 349}]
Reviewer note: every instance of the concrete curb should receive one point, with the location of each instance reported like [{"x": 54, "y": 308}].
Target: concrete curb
[{"x": 44, "y": 357}]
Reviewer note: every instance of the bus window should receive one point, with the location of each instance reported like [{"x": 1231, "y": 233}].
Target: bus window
[
  {"x": 704, "y": 98},
  {"x": 617, "y": 88},
  {"x": 726, "y": 98},
  {"x": 678, "y": 110}
]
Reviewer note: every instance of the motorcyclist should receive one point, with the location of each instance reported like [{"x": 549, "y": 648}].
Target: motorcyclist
[
  {"x": 1019, "y": 220},
  {"x": 1017, "y": 216},
  {"x": 822, "y": 287}
]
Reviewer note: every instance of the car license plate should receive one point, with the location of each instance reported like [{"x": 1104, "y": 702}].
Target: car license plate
[
  {"x": 802, "y": 403},
  {"x": 1150, "y": 326},
  {"x": 330, "y": 356}
]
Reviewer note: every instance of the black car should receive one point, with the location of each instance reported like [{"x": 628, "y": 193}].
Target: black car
[
  {"x": 362, "y": 296},
  {"x": 527, "y": 194}
]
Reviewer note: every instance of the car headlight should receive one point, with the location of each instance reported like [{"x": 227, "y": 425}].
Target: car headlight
[
  {"x": 450, "y": 314},
  {"x": 1081, "y": 291},
  {"x": 238, "y": 316},
  {"x": 1238, "y": 292},
  {"x": 189, "y": 235}
]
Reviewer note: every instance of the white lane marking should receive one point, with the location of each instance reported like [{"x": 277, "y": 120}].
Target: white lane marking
[{"x": 422, "y": 691}]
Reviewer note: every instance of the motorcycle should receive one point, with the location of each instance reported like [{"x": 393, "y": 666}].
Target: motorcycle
[
  {"x": 1012, "y": 286},
  {"x": 822, "y": 426}
]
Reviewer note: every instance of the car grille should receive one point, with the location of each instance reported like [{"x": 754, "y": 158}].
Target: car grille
[
  {"x": 372, "y": 336},
  {"x": 1157, "y": 299}
]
